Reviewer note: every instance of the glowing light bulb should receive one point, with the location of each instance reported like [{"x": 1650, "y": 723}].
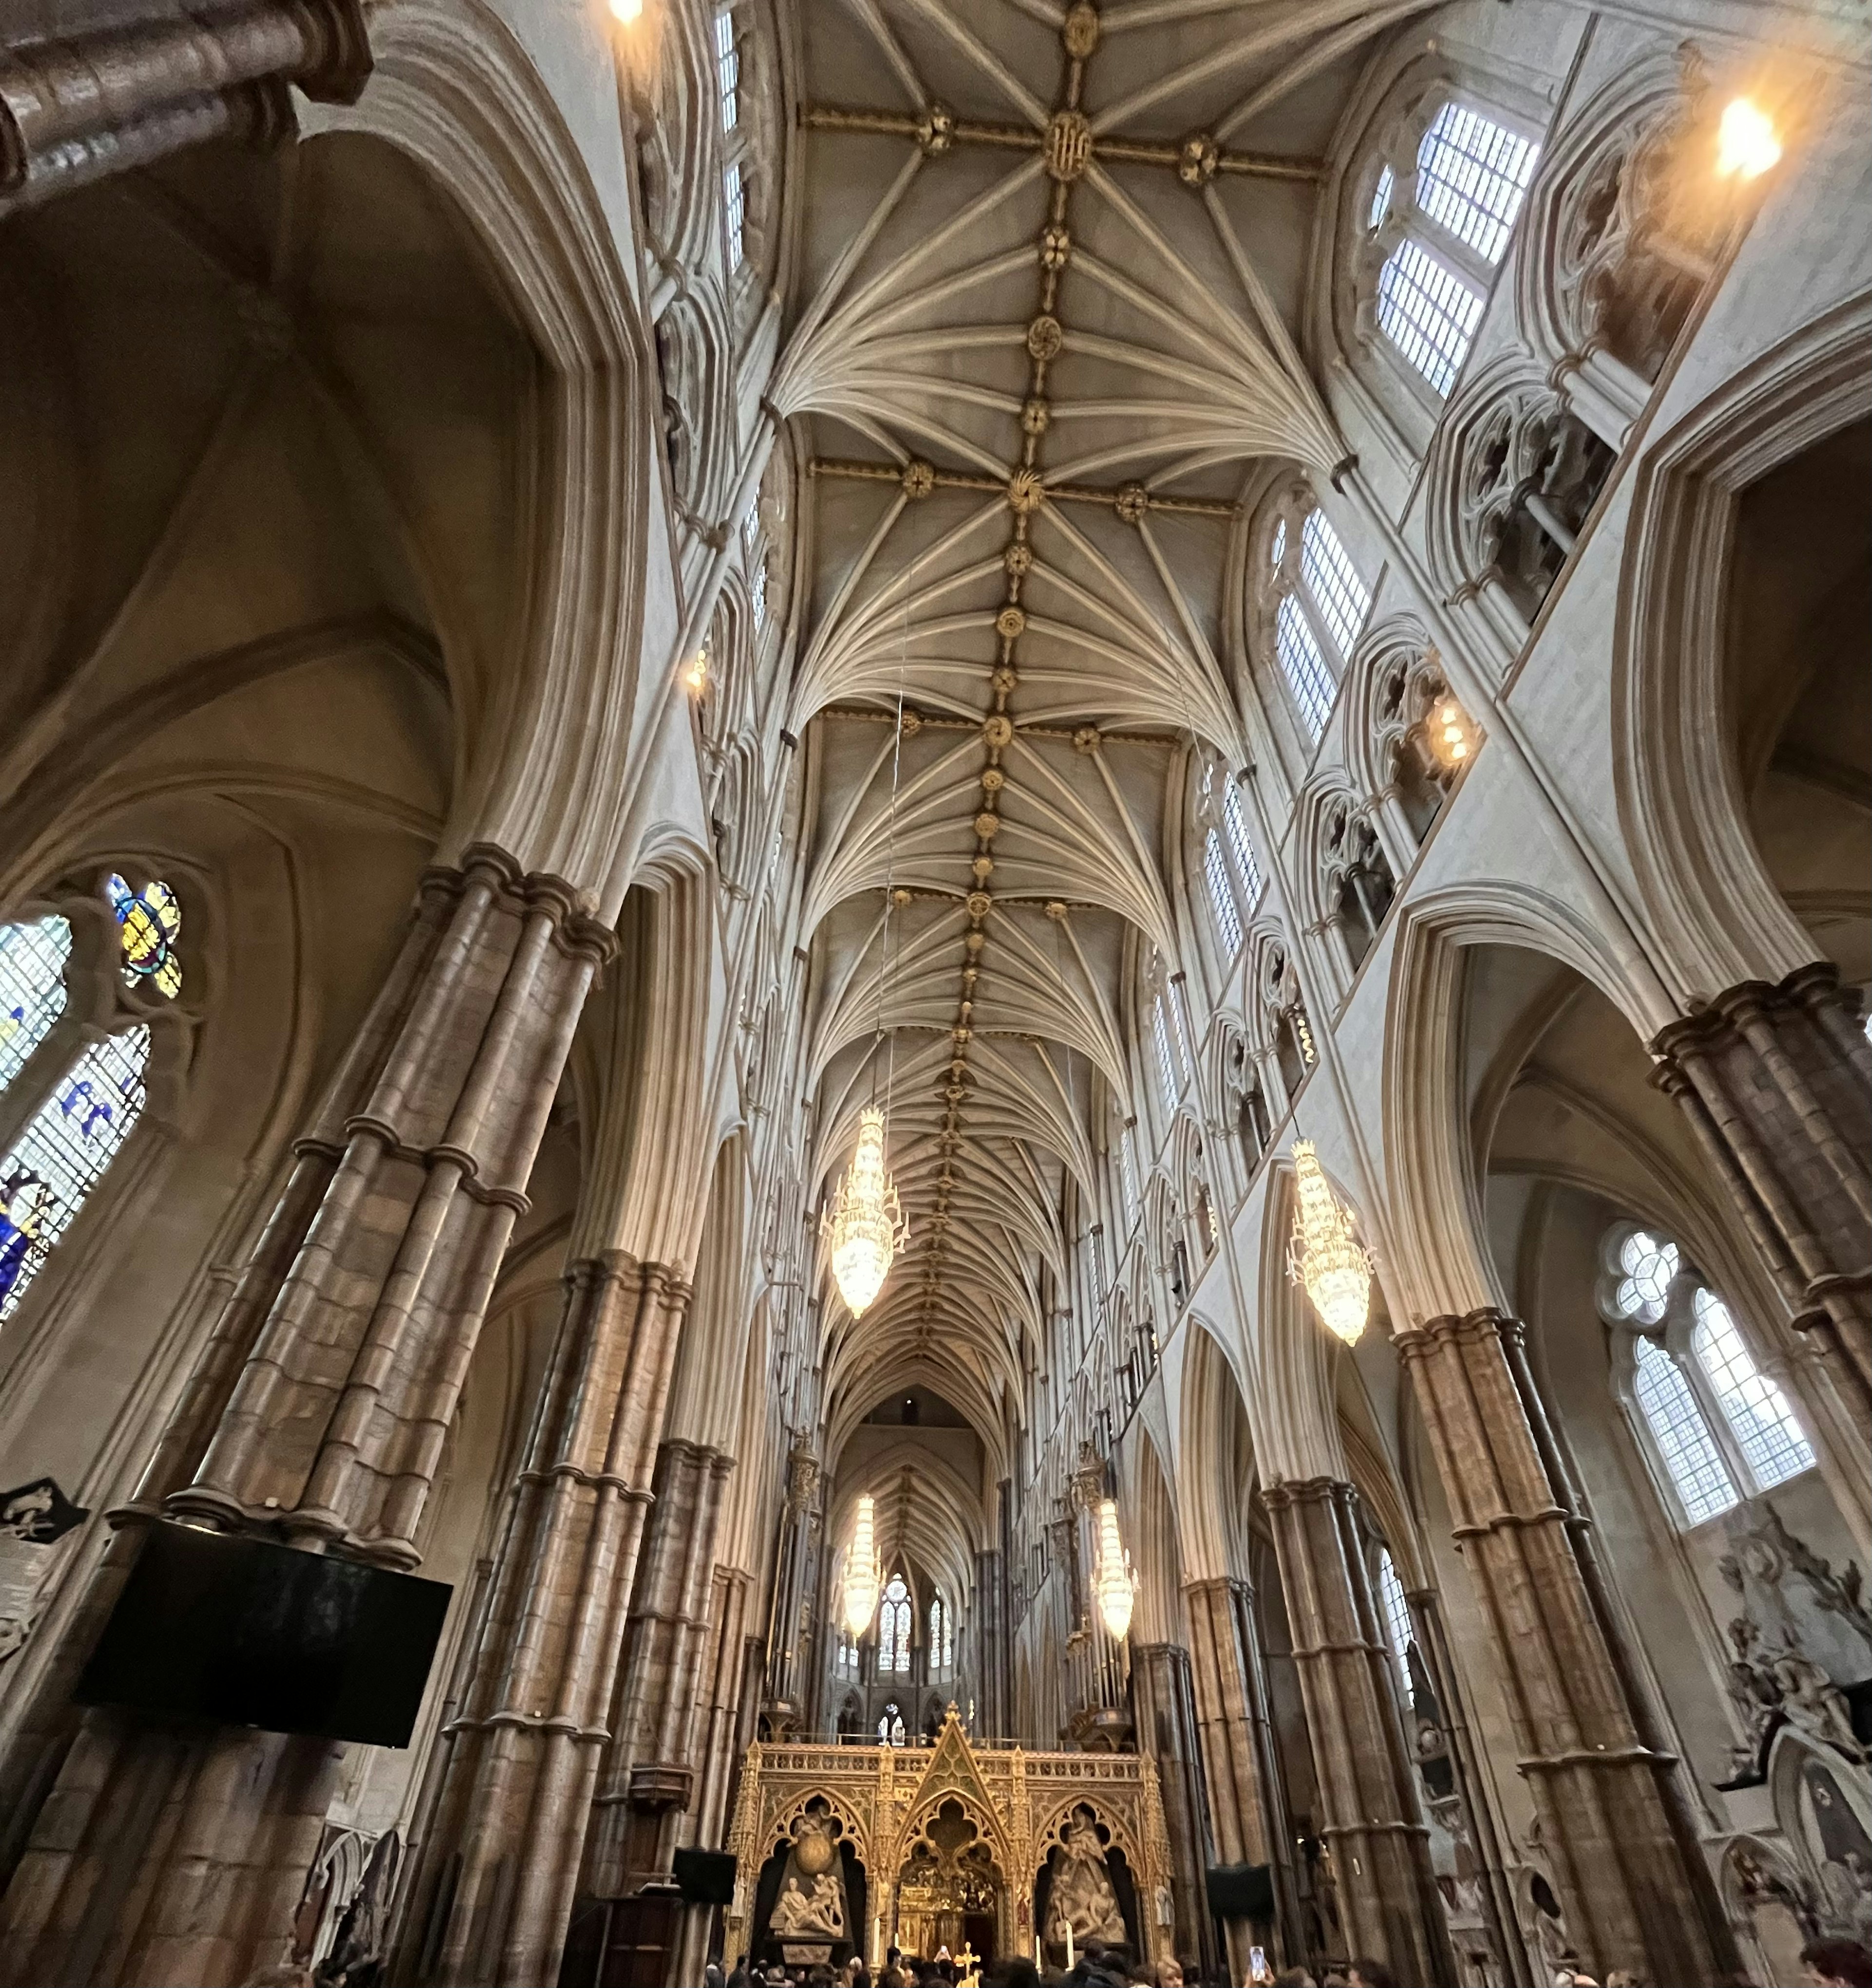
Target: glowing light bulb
[
  {"x": 1746, "y": 145},
  {"x": 696, "y": 675},
  {"x": 627, "y": 12}
]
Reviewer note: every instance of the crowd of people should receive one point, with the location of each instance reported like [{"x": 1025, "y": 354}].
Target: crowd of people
[{"x": 1827, "y": 1963}]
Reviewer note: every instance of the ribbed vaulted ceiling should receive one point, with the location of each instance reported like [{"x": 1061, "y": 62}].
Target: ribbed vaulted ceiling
[{"x": 1046, "y": 339}]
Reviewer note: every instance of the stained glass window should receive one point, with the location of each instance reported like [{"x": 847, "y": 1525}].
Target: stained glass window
[
  {"x": 894, "y": 1626},
  {"x": 1472, "y": 176},
  {"x": 1396, "y": 1610},
  {"x": 1766, "y": 1428},
  {"x": 62, "y": 1152},
  {"x": 32, "y": 959},
  {"x": 150, "y": 922},
  {"x": 1677, "y": 1426},
  {"x": 942, "y": 1636},
  {"x": 1304, "y": 667},
  {"x": 1221, "y": 895},
  {"x": 1428, "y": 312},
  {"x": 734, "y": 210},
  {"x": 1333, "y": 581}
]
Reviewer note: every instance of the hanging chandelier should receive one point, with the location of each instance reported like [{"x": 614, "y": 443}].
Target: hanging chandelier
[
  {"x": 1113, "y": 1581},
  {"x": 1324, "y": 1255},
  {"x": 864, "y": 1571},
  {"x": 866, "y": 1227}
]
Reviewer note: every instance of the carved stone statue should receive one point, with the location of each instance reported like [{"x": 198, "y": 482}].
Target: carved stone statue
[
  {"x": 810, "y": 1908},
  {"x": 1082, "y": 1893},
  {"x": 812, "y": 1903}
]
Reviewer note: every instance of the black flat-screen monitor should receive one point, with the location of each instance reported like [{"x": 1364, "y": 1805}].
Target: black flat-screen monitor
[
  {"x": 705, "y": 1877},
  {"x": 234, "y": 1629}
]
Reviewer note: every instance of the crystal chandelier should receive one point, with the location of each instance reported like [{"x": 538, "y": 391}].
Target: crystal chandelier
[
  {"x": 864, "y": 1571},
  {"x": 1113, "y": 1582},
  {"x": 866, "y": 1226},
  {"x": 1324, "y": 1255}
]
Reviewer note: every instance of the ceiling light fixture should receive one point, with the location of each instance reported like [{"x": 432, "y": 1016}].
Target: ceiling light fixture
[
  {"x": 1324, "y": 1255},
  {"x": 866, "y": 1226},
  {"x": 1114, "y": 1583},
  {"x": 628, "y": 13},
  {"x": 864, "y": 1571},
  {"x": 1452, "y": 736},
  {"x": 1746, "y": 145}
]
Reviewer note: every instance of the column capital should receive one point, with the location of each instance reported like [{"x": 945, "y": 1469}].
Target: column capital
[{"x": 1469, "y": 1328}]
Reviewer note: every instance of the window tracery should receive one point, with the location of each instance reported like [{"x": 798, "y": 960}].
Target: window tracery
[
  {"x": 1722, "y": 1428},
  {"x": 1398, "y": 1631},
  {"x": 894, "y": 1628},
  {"x": 1445, "y": 192}
]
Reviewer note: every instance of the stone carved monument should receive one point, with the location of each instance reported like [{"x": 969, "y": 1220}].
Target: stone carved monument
[
  {"x": 1083, "y": 1896},
  {"x": 1804, "y": 1636}
]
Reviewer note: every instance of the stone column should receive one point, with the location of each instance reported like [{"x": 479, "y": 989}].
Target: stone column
[
  {"x": 164, "y": 75},
  {"x": 1164, "y": 1705},
  {"x": 316, "y": 1413},
  {"x": 706, "y": 1824},
  {"x": 992, "y": 1653},
  {"x": 789, "y": 1642},
  {"x": 1247, "y": 1809},
  {"x": 1631, "y": 1875},
  {"x": 1388, "y": 1904},
  {"x": 1433, "y": 1646},
  {"x": 650, "y": 1769},
  {"x": 497, "y": 1869},
  {"x": 1776, "y": 1083}
]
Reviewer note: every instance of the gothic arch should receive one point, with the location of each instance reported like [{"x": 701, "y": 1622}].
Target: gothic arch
[
  {"x": 1718, "y": 916},
  {"x": 453, "y": 90}
]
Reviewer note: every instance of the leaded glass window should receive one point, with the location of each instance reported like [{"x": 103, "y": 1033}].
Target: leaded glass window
[
  {"x": 1167, "y": 1067},
  {"x": 1428, "y": 312},
  {"x": 1766, "y": 1428},
  {"x": 1236, "y": 825},
  {"x": 727, "y": 71},
  {"x": 1333, "y": 581},
  {"x": 1397, "y": 1628},
  {"x": 1221, "y": 894},
  {"x": 1721, "y": 1427},
  {"x": 1682, "y": 1433},
  {"x": 1472, "y": 177},
  {"x": 734, "y": 212},
  {"x": 1302, "y": 664}
]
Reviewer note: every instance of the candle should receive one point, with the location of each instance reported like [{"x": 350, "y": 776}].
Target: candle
[{"x": 1069, "y": 1960}]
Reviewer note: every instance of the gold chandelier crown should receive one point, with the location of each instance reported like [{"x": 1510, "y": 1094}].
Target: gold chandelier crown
[
  {"x": 866, "y": 1227},
  {"x": 1324, "y": 1255},
  {"x": 863, "y": 1578},
  {"x": 1114, "y": 1583}
]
